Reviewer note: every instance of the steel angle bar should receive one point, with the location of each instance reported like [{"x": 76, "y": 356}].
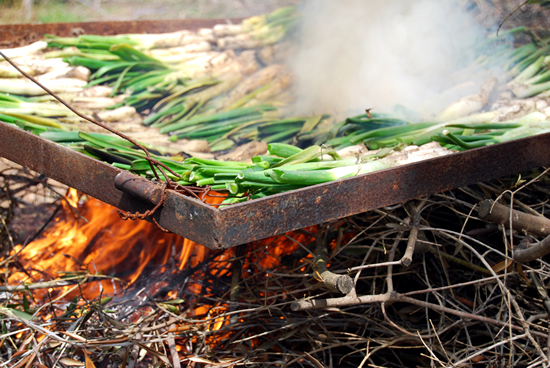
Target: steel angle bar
[
  {"x": 99, "y": 180},
  {"x": 283, "y": 212}
]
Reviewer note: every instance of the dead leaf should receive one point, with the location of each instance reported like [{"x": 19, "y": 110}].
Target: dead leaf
[
  {"x": 313, "y": 360},
  {"x": 24, "y": 361},
  {"x": 180, "y": 328},
  {"x": 73, "y": 335},
  {"x": 154, "y": 352},
  {"x": 197, "y": 359},
  {"x": 506, "y": 264},
  {"x": 112, "y": 341},
  {"x": 31, "y": 359},
  {"x": 71, "y": 362},
  {"x": 478, "y": 358},
  {"x": 89, "y": 363},
  {"x": 20, "y": 352}
]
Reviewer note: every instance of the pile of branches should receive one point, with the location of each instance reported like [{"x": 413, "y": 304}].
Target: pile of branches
[{"x": 454, "y": 279}]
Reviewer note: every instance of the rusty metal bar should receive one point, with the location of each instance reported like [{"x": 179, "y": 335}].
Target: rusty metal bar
[
  {"x": 138, "y": 187},
  {"x": 261, "y": 218},
  {"x": 12, "y": 35},
  {"x": 314, "y": 205},
  {"x": 98, "y": 179}
]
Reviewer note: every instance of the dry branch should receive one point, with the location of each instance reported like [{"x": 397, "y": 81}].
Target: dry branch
[
  {"x": 391, "y": 297},
  {"x": 370, "y": 325},
  {"x": 527, "y": 252},
  {"x": 335, "y": 282},
  {"x": 50, "y": 284},
  {"x": 499, "y": 214},
  {"x": 406, "y": 260}
]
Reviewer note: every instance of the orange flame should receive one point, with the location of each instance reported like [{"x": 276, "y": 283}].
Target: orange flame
[
  {"x": 104, "y": 244},
  {"x": 97, "y": 241}
]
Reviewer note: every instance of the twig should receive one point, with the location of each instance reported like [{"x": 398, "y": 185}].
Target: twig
[
  {"x": 172, "y": 346},
  {"x": 521, "y": 221},
  {"x": 51, "y": 284},
  {"x": 436, "y": 251},
  {"x": 505, "y": 292},
  {"x": 335, "y": 282},
  {"x": 406, "y": 260},
  {"x": 236, "y": 268},
  {"x": 134, "y": 354},
  {"x": 120, "y": 356},
  {"x": 350, "y": 299},
  {"x": 488, "y": 348},
  {"x": 526, "y": 252}
]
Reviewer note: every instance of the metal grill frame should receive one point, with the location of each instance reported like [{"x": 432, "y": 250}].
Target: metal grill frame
[{"x": 260, "y": 218}]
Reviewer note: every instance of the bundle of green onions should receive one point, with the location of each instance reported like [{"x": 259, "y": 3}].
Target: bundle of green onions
[
  {"x": 256, "y": 31},
  {"x": 459, "y": 134},
  {"x": 226, "y": 129},
  {"x": 226, "y": 107},
  {"x": 534, "y": 78},
  {"x": 252, "y": 32},
  {"x": 131, "y": 70},
  {"x": 107, "y": 148},
  {"x": 13, "y": 104},
  {"x": 527, "y": 65},
  {"x": 287, "y": 168},
  {"x": 224, "y": 111}
]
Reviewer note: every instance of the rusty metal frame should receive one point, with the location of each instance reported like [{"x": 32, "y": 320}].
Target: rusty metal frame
[{"x": 261, "y": 218}]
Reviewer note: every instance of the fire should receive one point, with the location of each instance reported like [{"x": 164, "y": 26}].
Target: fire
[
  {"x": 89, "y": 237},
  {"x": 89, "y": 240}
]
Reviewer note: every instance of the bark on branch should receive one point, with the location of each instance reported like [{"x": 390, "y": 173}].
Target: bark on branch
[
  {"x": 413, "y": 235},
  {"x": 521, "y": 221},
  {"x": 335, "y": 282},
  {"x": 527, "y": 252}
]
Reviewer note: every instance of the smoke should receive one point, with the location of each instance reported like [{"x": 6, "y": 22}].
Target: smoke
[{"x": 359, "y": 54}]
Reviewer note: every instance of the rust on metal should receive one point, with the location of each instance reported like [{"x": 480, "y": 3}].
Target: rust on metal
[
  {"x": 261, "y": 218},
  {"x": 97, "y": 179},
  {"x": 138, "y": 187},
  {"x": 13, "y": 35},
  {"x": 313, "y": 205}
]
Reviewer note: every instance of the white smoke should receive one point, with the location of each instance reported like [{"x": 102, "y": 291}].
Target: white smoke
[{"x": 359, "y": 54}]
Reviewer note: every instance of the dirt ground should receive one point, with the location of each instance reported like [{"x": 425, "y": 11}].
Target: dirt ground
[{"x": 55, "y": 11}]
